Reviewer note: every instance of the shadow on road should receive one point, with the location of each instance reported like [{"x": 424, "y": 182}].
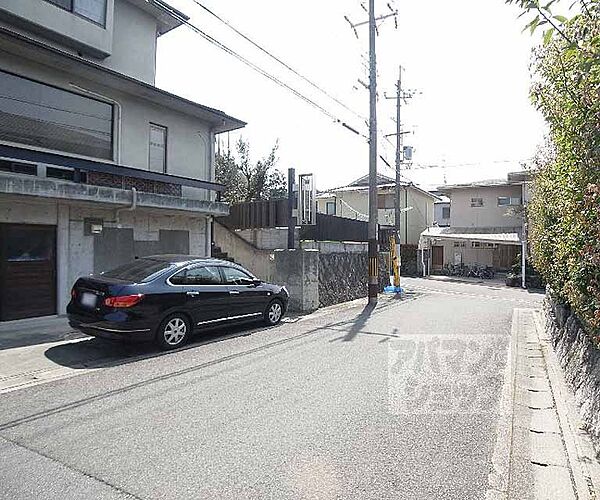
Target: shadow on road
[
  {"x": 95, "y": 352},
  {"x": 358, "y": 324}
]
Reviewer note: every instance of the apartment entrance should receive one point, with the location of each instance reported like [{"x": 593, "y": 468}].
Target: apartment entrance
[
  {"x": 27, "y": 271},
  {"x": 437, "y": 257},
  {"x": 505, "y": 256}
]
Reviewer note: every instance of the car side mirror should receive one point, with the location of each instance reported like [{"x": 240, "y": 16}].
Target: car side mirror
[{"x": 256, "y": 282}]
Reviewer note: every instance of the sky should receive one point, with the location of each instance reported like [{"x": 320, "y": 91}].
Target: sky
[{"x": 468, "y": 60}]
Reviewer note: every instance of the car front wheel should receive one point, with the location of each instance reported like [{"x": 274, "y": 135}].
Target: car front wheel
[
  {"x": 173, "y": 332},
  {"x": 274, "y": 313}
]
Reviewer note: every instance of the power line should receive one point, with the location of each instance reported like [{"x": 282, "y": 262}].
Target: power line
[
  {"x": 264, "y": 73},
  {"x": 277, "y": 59},
  {"x": 463, "y": 165}
]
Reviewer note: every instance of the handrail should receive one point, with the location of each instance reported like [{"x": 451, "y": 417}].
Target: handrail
[{"x": 104, "y": 167}]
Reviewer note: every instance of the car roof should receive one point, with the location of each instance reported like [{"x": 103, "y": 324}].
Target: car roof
[{"x": 180, "y": 259}]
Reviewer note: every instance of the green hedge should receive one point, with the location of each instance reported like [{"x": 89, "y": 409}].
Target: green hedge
[{"x": 564, "y": 215}]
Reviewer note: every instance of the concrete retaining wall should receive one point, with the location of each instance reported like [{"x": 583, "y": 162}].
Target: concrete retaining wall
[
  {"x": 580, "y": 360},
  {"x": 298, "y": 270},
  {"x": 271, "y": 238},
  {"x": 319, "y": 274},
  {"x": 256, "y": 260}
]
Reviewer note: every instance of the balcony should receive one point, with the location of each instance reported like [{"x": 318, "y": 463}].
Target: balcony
[{"x": 50, "y": 175}]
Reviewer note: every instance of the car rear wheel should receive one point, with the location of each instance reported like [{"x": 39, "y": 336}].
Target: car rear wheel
[
  {"x": 173, "y": 332},
  {"x": 274, "y": 313}
]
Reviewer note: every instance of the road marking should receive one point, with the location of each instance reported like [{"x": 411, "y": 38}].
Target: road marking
[{"x": 466, "y": 294}]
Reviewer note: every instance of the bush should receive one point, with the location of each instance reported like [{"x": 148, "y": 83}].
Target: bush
[{"x": 564, "y": 215}]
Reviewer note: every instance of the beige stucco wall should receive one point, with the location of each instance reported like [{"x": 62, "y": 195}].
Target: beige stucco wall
[
  {"x": 127, "y": 43},
  {"x": 60, "y": 27},
  {"x": 189, "y": 140},
  {"x": 134, "y": 43},
  {"x": 490, "y": 215},
  {"x": 416, "y": 220}
]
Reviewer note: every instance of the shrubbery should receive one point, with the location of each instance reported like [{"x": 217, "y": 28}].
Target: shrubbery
[{"x": 564, "y": 215}]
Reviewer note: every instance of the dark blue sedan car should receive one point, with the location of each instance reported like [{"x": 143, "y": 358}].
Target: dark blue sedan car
[{"x": 166, "y": 298}]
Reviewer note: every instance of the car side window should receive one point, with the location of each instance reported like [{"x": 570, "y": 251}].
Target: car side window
[
  {"x": 235, "y": 276},
  {"x": 201, "y": 275}
]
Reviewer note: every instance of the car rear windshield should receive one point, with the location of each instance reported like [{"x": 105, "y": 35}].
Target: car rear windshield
[{"x": 138, "y": 271}]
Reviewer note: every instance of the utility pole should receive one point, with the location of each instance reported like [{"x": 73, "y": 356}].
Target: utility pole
[
  {"x": 290, "y": 208},
  {"x": 401, "y": 95},
  {"x": 372, "y": 226},
  {"x": 399, "y": 153}
]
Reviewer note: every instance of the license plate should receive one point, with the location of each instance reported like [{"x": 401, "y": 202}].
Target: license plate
[{"x": 88, "y": 299}]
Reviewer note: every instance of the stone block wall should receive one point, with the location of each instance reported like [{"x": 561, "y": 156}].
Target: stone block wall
[
  {"x": 580, "y": 360},
  {"x": 343, "y": 276}
]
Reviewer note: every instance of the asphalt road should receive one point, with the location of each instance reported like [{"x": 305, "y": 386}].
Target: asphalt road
[{"x": 396, "y": 402}]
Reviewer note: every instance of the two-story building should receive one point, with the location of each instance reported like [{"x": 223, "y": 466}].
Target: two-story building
[
  {"x": 97, "y": 164},
  {"x": 486, "y": 224},
  {"x": 441, "y": 210},
  {"x": 352, "y": 202}
]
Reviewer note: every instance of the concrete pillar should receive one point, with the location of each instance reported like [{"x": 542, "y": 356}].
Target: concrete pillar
[
  {"x": 298, "y": 270},
  {"x": 208, "y": 236},
  {"x": 62, "y": 258}
]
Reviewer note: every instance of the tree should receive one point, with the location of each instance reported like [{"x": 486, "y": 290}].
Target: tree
[
  {"x": 564, "y": 215},
  {"x": 245, "y": 181}
]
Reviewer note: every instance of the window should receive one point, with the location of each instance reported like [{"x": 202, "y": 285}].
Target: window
[
  {"x": 158, "y": 149},
  {"x": 39, "y": 115},
  {"x": 198, "y": 276},
  {"x": 138, "y": 271},
  {"x": 477, "y": 202},
  {"x": 445, "y": 212},
  {"x": 385, "y": 201},
  {"x": 330, "y": 208},
  {"x": 235, "y": 276},
  {"x": 92, "y": 10},
  {"x": 504, "y": 201}
]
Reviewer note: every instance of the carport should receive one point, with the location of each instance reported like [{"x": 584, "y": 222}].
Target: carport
[{"x": 496, "y": 247}]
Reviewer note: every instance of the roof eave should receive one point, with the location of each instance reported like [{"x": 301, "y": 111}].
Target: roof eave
[{"x": 220, "y": 122}]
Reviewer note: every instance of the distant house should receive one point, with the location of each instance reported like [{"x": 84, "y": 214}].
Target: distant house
[
  {"x": 352, "y": 201},
  {"x": 441, "y": 210},
  {"x": 97, "y": 164},
  {"x": 486, "y": 224}
]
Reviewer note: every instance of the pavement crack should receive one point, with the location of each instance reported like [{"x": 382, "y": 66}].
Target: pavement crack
[{"x": 118, "y": 489}]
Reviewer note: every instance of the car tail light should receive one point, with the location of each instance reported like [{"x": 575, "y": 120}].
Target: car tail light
[{"x": 123, "y": 300}]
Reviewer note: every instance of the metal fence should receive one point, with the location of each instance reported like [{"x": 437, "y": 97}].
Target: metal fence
[
  {"x": 273, "y": 213},
  {"x": 333, "y": 228}
]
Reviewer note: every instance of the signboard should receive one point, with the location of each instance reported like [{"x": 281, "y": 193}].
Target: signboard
[{"x": 307, "y": 203}]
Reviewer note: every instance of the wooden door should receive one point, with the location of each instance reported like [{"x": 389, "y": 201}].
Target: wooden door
[
  {"x": 437, "y": 257},
  {"x": 505, "y": 256},
  {"x": 27, "y": 271}
]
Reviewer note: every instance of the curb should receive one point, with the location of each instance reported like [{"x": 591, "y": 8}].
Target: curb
[{"x": 584, "y": 467}]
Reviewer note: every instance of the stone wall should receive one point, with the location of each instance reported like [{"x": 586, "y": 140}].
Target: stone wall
[
  {"x": 343, "y": 276},
  {"x": 580, "y": 360}
]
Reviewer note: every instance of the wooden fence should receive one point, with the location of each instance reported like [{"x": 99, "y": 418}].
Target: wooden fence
[
  {"x": 256, "y": 214},
  {"x": 273, "y": 213}
]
